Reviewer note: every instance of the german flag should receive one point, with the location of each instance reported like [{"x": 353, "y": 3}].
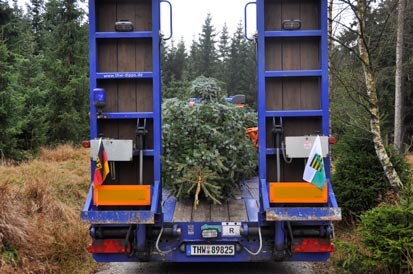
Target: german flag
[{"x": 102, "y": 166}]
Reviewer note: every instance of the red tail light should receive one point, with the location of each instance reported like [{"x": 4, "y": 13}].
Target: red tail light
[
  {"x": 332, "y": 140},
  {"x": 86, "y": 144},
  {"x": 108, "y": 246},
  {"x": 314, "y": 245}
]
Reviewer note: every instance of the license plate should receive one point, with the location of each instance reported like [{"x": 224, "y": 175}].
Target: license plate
[{"x": 210, "y": 250}]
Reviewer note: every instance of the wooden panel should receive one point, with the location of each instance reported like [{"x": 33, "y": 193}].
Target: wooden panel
[
  {"x": 310, "y": 53},
  {"x": 202, "y": 213},
  {"x": 124, "y": 55},
  {"x": 219, "y": 213},
  {"x": 274, "y": 94},
  {"x": 310, "y": 93},
  {"x": 273, "y": 54},
  {"x": 237, "y": 210},
  {"x": 310, "y": 14},
  {"x": 183, "y": 211},
  {"x": 292, "y": 172},
  {"x": 292, "y": 53},
  {"x": 105, "y": 15},
  {"x": 127, "y": 95},
  {"x": 143, "y": 15},
  {"x": 107, "y": 51},
  {"x": 139, "y": 12},
  {"x": 111, "y": 89},
  {"x": 302, "y": 126},
  {"x": 308, "y": 11},
  {"x": 291, "y": 94},
  {"x": 299, "y": 126},
  {"x": 290, "y": 10},
  {"x": 272, "y": 15},
  {"x": 144, "y": 100},
  {"x": 143, "y": 55},
  {"x": 296, "y": 93}
]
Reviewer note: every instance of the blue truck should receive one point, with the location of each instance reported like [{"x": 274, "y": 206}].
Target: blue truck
[{"x": 274, "y": 217}]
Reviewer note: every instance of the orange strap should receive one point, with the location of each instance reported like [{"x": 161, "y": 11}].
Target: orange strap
[{"x": 253, "y": 134}]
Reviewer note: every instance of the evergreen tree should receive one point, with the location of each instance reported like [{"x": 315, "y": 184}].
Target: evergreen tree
[
  {"x": 224, "y": 45},
  {"x": 35, "y": 14},
  {"x": 193, "y": 60},
  {"x": 67, "y": 68},
  {"x": 224, "y": 54},
  {"x": 10, "y": 122},
  {"x": 207, "y": 59},
  {"x": 241, "y": 76}
]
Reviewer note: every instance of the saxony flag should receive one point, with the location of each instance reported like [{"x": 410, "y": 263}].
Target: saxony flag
[
  {"x": 314, "y": 170},
  {"x": 102, "y": 166}
]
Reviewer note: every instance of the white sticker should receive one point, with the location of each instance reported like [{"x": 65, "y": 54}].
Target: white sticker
[{"x": 231, "y": 229}]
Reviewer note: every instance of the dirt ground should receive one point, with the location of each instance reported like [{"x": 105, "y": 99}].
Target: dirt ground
[{"x": 215, "y": 268}]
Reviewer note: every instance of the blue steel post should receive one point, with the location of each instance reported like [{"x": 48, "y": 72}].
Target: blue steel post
[
  {"x": 92, "y": 81},
  {"x": 157, "y": 132},
  {"x": 262, "y": 111},
  {"x": 262, "y": 161},
  {"x": 325, "y": 100}
]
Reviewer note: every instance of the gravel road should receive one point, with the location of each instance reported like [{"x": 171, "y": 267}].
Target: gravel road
[{"x": 207, "y": 268}]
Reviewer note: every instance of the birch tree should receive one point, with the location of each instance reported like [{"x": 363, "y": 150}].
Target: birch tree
[
  {"x": 398, "y": 104},
  {"x": 362, "y": 50},
  {"x": 371, "y": 90}
]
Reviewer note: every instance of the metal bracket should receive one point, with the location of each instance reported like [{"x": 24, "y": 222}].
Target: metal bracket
[{"x": 141, "y": 131}]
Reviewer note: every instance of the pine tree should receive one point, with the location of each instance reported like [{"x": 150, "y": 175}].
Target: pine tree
[
  {"x": 35, "y": 12},
  {"x": 193, "y": 60},
  {"x": 241, "y": 76},
  {"x": 67, "y": 68},
  {"x": 10, "y": 120},
  {"x": 207, "y": 59},
  {"x": 224, "y": 54},
  {"x": 224, "y": 45}
]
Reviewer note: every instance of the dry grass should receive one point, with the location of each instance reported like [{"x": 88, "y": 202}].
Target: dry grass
[{"x": 40, "y": 203}]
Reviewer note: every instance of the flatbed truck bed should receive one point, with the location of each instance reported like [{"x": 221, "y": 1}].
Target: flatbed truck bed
[{"x": 275, "y": 216}]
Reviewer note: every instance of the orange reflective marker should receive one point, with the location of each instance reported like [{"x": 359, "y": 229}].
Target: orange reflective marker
[
  {"x": 122, "y": 195},
  {"x": 297, "y": 192}
]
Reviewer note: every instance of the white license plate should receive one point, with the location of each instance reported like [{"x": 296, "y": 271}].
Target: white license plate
[{"x": 210, "y": 250}]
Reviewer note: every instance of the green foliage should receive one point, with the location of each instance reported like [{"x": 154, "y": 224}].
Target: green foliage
[
  {"x": 206, "y": 150},
  {"x": 43, "y": 79},
  {"x": 386, "y": 232},
  {"x": 385, "y": 242},
  {"x": 205, "y": 53},
  {"x": 359, "y": 180},
  {"x": 349, "y": 259},
  {"x": 9, "y": 254},
  {"x": 208, "y": 89}
]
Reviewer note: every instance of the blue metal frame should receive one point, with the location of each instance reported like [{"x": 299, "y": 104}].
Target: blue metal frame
[
  {"x": 331, "y": 211},
  {"x": 132, "y": 34},
  {"x": 90, "y": 212},
  {"x": 262, "y": 215},
  {"x": 293, "y": 33},
  {"x": 124, "y": 75}
]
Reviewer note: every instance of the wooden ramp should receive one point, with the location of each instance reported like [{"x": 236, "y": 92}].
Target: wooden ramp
[{"x": 243, "y": 207}]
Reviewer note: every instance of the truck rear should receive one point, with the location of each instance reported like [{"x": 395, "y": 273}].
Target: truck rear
[{"x": 275, "y": 216}]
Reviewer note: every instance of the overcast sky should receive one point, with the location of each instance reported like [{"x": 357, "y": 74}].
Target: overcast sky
[{"x": 189, "y": 15}]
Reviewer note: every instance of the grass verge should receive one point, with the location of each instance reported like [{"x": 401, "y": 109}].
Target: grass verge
[{"x": 40, "y": 203}]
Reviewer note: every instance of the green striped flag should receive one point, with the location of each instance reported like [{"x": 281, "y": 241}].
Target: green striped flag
[{"x": 314, "y": 170}]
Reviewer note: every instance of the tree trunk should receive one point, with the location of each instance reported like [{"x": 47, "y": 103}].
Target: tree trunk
[
  {"x": 373, "y": 105},
  {"x": 398, "y": 104}
]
